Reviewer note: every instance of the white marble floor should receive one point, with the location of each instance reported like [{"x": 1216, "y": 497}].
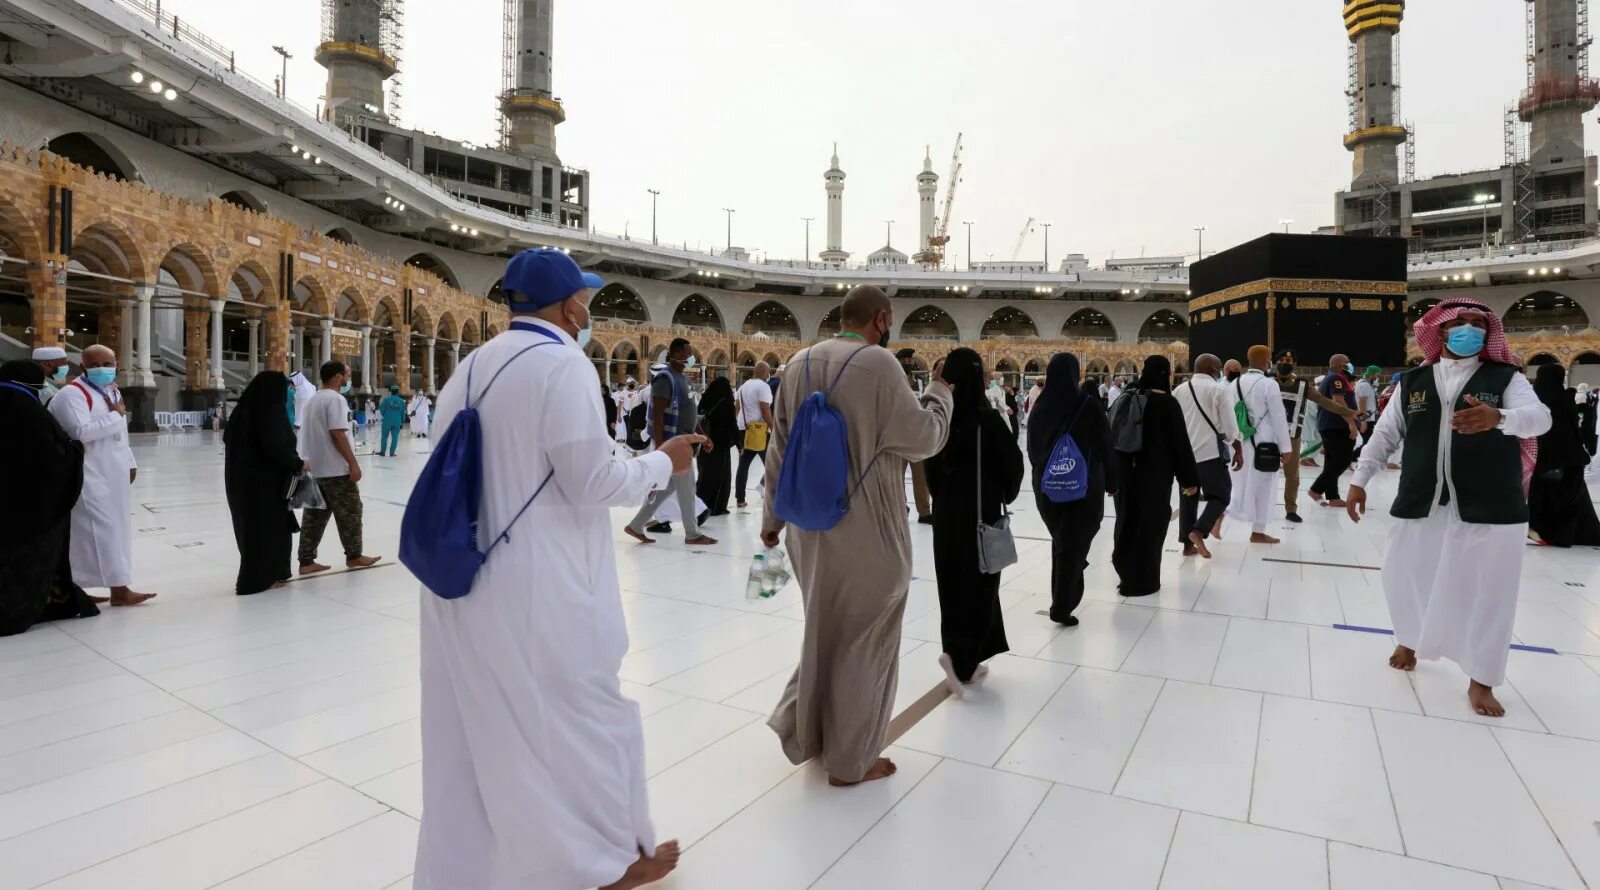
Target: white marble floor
[{"x": 1228, "y": 733}]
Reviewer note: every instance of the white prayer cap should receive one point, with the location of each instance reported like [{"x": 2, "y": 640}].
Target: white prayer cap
[{"x": 49, "y": 353}]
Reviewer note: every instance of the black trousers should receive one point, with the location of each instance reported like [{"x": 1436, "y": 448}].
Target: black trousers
[
  {"x": 745, "y": 458},
  {"x": 1340, "y": 451},
  {"x": 1072, "y": 530},
  {"x": 1216, "y": 489}
]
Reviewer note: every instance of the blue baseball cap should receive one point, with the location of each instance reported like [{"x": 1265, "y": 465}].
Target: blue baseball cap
[{"x": 538, "y": 278}]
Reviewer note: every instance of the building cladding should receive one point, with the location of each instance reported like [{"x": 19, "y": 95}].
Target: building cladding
[{"x": 1544, "y": 192}]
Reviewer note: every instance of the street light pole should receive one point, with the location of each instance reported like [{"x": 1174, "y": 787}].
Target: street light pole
[
  {"x": 283, "y": 82},
  {"x": 968, "y": 224},
  {"x": 888, "y": 237},
  {"x": 807, "y": 254},
  {"x": 1200, "y": 246},
  {"x": 1483, "y": 201},
  {"x": 653, "y": 194},
  {"x": 1047, "y": 245},
  {"x": 729, "y": 211},
  {"x": 1286, "y": 223}
]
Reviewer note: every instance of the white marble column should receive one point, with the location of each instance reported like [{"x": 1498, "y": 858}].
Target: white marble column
[
  {"x": 297, "y": 345},
  {"x": 427, "y": 385},
  {"x": 217, "y": 381},
  {"x": 455, "y": 356},
  {"x": 327, "y": 340},
  {"x": 366, "y": 360},
  {"x": 126, "y": 360},
  {"x": 254, "y": 324},
  {"x": 143, "y": 373}
]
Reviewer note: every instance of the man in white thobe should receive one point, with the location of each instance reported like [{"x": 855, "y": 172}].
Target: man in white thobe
[
  {"x": 1455, "y": 557},
  {"x": 304, "y": 389},
  {"x": 54, "y": 361},
  {"x": 91, "y": 411},
  {"x": 1252, "y": 488},
  {"x": 421, "y": 415},
  {"x": 533, "y": 770}
]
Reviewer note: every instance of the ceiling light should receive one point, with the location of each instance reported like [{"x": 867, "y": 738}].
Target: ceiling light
[
  {"x": 170, "y": 94},
  {"x": 316, "y": 160},
  {"x": 306, "y": 155},
  {"x": 1532, "y": 272},
  {"x": 454, "y": 227},
  {"x": 1557, "y": 270},
  {"x": 401, "y": 207},
  {"x": 294, "y": 149},
  {"x": 473, "y": 232},
  {"x": 156, "y": 86},
  {"x": 137, "y": 77}
]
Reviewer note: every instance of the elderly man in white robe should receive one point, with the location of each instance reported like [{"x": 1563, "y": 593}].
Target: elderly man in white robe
[
  {"x": 533, "y": 770},
  {"x": 421, "y": 415},
  {"x": 54, "y": 361},
  {"x": 1461, "y": 509},
  {"x": 1252, "y": 488},
  {"x": 91, "y": 411}
]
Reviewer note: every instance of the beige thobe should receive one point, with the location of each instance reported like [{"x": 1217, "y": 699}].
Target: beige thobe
[{"x": 853, "y": 577}]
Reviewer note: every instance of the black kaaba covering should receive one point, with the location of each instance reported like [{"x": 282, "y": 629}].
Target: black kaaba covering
[{"x": 1314, "y": 294}]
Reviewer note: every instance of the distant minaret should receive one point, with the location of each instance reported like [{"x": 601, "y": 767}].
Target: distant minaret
[
  {"x": 528, "y": 106},
  {"x": 835, "y": 253},
  {"x": 359, "y": 47},
  {"x": 1376, "y": 135},
  {"x": 927, "y": 188},
  {"x": 1559, "y": 89}
]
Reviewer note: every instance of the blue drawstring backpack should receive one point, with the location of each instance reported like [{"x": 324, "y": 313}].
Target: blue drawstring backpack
[
  {"x": 439, "y": 533},
  {"x": 814, "y": 486},
  {"x": 1066, "y": 475}
]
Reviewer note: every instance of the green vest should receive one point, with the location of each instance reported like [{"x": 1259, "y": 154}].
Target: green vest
[{"x": 1485, "y": 469}]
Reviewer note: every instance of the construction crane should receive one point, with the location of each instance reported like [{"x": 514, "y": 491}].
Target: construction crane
[
  {"x": 1026, "y": 228},
  {"x": 933, "y": 255}
]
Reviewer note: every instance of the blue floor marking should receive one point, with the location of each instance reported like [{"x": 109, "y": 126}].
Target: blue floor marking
[{"x": 1544, "y": 650}]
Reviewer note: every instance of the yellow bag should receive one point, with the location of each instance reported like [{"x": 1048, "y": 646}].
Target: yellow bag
[{"x": 755, "y": 436}]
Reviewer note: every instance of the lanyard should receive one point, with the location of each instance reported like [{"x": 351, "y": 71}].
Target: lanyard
[
  {"x": 19, "y": 387},
  {"x": 90, "y": 383},
  {"x": 850, "y": 335},
  {"x": 535, "y": 329}
]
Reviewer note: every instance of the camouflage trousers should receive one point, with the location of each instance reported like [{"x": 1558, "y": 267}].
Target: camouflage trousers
[{"x": 344, "y": 506}]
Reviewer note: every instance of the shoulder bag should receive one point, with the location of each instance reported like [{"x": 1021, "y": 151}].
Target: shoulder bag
[
  {"x": 1222, "y": 447},
  {"x": 997, "y": 549},
  {"x": 1267, "y": 458}
]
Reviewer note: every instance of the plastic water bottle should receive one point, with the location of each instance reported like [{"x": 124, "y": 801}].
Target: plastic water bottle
[{"x": 756, "y": 586}]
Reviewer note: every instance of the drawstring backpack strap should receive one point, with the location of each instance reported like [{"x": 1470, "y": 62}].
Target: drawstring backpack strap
[{"x": 473, "y": 405}]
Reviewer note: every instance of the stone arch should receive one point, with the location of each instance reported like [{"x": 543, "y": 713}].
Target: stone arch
[
  {"x": 469, "y": 332},
  {"x": 1007, "y": 369},
  {"x": 1034, "y": 366},
  {"x": 697, "y": 311},
  {"x": 95, "y": 152},
  {"x": 421, "y": 321},
  {"x": 773, "y": 319},
  {"x": 1164, "y": 326},
  {"x": 310, "y": 296},
  {"x": 251, "y": 283},
  {"x": 246, "y": 201},
  {"x": 772, "y": 359},
  {"x": 110, "y": 247},
  {"x": 929, "y": 323},
  {"x": 446, "y": 329},
  {"x": 624, "y": 356},
  {"x": 1096, "y": 366},
  {"x": 1587, "y": 358},
  {"x": 718, "y": 360},
  {"x": 1543, "y": 358},
  {"x": 1089, "y": 324},
  {"x": 19, "y": 234},
  {"x": 1126, "y": 366},
  {"x": 351, "y": 306},
  {"x": 386, "y": 314},
  {"x": 831, "y": 324},
  {"x": 618, "y": 302},
  {"x": 192, "y": 269},
  {"x": 1544, "y": 310},
  {"x": 427, "y": 262},
  {"x": 341, "y": 235},
  {"x": 492, "y": 331},
  {"x": 497, "y": 294},
  {"x": 596, "y": 353},
  {"x": 1009, "y": 322}
]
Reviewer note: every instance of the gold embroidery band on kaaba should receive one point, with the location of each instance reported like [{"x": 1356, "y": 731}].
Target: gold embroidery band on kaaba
[{"x": 1299, "y": 286}]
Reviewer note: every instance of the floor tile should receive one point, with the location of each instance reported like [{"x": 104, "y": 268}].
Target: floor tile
[
  {"x": 1355, "y": 868},
  {"x": 1442, "y": 689},
  {"x": 689, "y": 800},
  {"x": 1266, "y": 656},
  {"x": 373, "y": 854},
  {"x": 679, "y": 731},
  {"x": 1103, "y": 638},
  {"x": 1086, "y": 731},
  {"x": 1562, "y": 692},
  {"x": 1353, "y": 668},
  {"x": 401, "y": 789},
  {"x": 1178, "y": 646},
  {"x": 1197, "y": 751},
  {"x": 951, "y": 831},
  {"x": 1487, "y": 823},
  {"x": 1237, "y": 596},
  {"x": 1082, "y": 839},
  {"x": 1563, "y": 775},
  {"x": 1216, "y": 854},
  {"x": 978, "y": 727},
  {"x": 369, "y": 756},
  {"x": 106, "y": 746}
]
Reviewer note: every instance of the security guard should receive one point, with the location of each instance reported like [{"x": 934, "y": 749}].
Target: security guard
[{"x": 1296, "y": 393}]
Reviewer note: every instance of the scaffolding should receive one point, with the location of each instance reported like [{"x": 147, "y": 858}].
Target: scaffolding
[
  {"x": 1583, "y": 40},
  {"x": 1531, "y": 42},
  {"x": 1411, "y": 153},
  {"x": 1352, "y": 78},
  {"x": 1381, "y": 204},
  {"x": 391, "y": 42},
  {"x": 508, "y": 65},
  {"x": 1522, "y": 196}
]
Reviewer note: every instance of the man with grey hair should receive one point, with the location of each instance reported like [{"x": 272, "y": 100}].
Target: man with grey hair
[{"x": 91, "y": 411}]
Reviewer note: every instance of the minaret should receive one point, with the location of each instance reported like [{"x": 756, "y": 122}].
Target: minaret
[
  {"x": 835, "y": 253},
  {"x": 1559, "y": 90},
  {"x": 359, "y": 48},
  {"x": 927, "y": 187},
  {"x": 528, "y": 105},
  {"x": 1375, "y": 134}
]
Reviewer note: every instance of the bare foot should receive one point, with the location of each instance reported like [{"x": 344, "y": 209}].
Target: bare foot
[
  {"x": 1483, "y": 702},
  {"x": 279, "y": 584},
  {"x": 362, "y": 562},
  {"x": 124, "y": 596},
  {"x": 702, "y": 541},
  {"x": 1334, "y": 502},
  {"x": 648, "y": 870},
  {"x": 1315, "y": 497},
  {"x": 951, "y": 681},
  {"x": 637, "y": 536},
  {"x": 1403, "y": 659},
  {"x": 1260, "y": 538},
  {"x": 1199, "y": 544},
  {"x": 883, "y": 769},
  {"x": 1216, "y": 530},
  {"x": 99, "y": 600},
  {"x": 1393, "y": 466},
  {"x": 311, "y": 568},
  {"x": 979, "y": 674},
  {"x": 1188, "y": 550}
]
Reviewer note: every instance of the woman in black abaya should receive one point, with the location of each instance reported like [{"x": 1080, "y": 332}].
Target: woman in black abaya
[
  {"x": 260, "y": 459},
  {"x": 713, "y": 481},
  {"x": 1144, "y": 482},
  {"x": 1065, "y": 408},
  {"x": 971, "y": 626},
  {"x": 1559, "y": 510}
]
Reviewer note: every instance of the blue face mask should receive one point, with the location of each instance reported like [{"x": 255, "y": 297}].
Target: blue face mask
[
  {"x": 1350, "y": 368},
  {"x": 102, "y": 376},
  {"x": 1465, "y": 341},
  {"x": 344, "y": 389},
  {"x": 60, "y": 374}
]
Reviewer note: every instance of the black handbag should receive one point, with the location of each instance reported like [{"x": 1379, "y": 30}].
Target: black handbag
[{"x": 1268, "y": 458}]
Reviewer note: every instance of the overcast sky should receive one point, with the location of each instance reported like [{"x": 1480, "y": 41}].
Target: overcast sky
[{"x": 1125, "y": 124}]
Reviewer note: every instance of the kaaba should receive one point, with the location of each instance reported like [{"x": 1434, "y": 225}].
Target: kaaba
[{"x": 1316, "y": 294}]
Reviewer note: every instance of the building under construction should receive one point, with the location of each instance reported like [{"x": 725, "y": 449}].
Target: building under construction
[
  {"x": 1544, "y": 190},
  {"x": 522, "y": 174}
]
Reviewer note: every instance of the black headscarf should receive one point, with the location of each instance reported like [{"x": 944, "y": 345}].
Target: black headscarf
[
  {"x": 719, "y": 416},
  {"x": 252, "y": 416},
  {"x": 1157, "y": 374},
  {"x": 1560, "y": 447},
  {"x": 1060, "y": 400},
  {"x": 47, "y": 467},
  {"x": 963, "y": 370}
]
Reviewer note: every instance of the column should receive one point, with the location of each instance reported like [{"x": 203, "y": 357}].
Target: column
[
  {"x": 143, "y": 369},
  {"x": 277, "y": 351},
  {"x": 427, "y": 366},
  {"x": 254, "y": 324},
  {"x": 217, "y": 381},
  {"x": 402, "y": 360},
  {"x": 327, "y": 340},
  {"x": 49, "y": 302},
  {"x": 126, "y": 360},
  {"x": 455, "y": 356},
  {"x": 297, "y": 344},
  {"x": 366, "y": 359}
]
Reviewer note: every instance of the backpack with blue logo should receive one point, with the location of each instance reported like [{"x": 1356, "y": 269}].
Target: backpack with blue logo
[
  {"x": 814, "y": 486},
  {"x": 439, "y": 533},
  {"x": 1066, "y": 476}
]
